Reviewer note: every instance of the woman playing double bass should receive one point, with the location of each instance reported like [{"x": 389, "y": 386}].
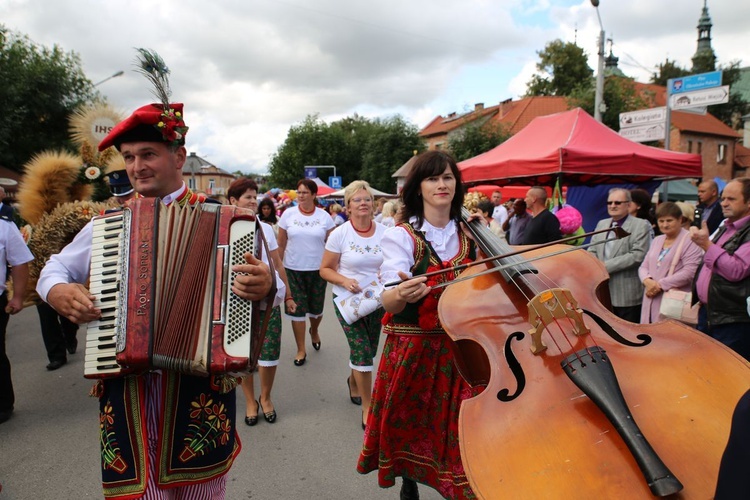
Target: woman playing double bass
[{"x": 412, "y": 429}]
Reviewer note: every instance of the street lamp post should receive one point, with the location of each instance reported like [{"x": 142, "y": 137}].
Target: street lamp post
[
  {"x": 119, "y": 73},
  {"x": 599, "y": 96}
]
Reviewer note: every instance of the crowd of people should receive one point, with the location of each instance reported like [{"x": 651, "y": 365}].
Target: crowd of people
[{"x": 371, "y": 252}]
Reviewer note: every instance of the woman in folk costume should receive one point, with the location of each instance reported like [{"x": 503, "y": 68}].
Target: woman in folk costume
[
  {"x": 412, "y": 430},
  {"x": 159, "y": 430}
]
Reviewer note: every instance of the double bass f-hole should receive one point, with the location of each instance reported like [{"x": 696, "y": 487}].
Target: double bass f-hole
[{"x": 553, "y": 309}]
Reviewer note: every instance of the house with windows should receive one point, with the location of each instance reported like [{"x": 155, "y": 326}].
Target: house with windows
[{"x": 203, "y": 177}]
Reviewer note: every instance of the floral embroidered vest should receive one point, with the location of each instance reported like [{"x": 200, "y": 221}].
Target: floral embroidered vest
[
  {"x": 422, "y": 317},
  {"x": 197, "y": 437}
]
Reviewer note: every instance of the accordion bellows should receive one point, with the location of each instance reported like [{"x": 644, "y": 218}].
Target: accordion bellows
[{"x": 162, "y": 277}]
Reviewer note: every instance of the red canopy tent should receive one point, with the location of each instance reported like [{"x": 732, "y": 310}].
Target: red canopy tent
[{"x": 579, "y": 148}]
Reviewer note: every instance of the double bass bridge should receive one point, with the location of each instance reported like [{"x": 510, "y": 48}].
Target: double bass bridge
[{"x": 551, "y": 306}]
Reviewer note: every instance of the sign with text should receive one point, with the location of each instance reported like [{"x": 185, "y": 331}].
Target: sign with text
[
  {"x": 645, "y": 133},
  {"x": 335, "y": 182},
  {"x": 706, "y": 97},
  {"x": 643, "y": 117},
  {"x": 311, "y": 172},
  {"x": 694, "y": 82}
]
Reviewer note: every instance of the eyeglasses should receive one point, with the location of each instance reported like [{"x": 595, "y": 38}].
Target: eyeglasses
[
  {"x": 618, "y": 203},
  {"x": 360, "y": 200}
]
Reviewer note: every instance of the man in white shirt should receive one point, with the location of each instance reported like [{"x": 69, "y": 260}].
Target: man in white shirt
[
  {"x": 13, "y": 252},
  {"x": 500, "y": 213}
]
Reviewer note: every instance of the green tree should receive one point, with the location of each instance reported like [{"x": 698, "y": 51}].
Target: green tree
[
  {"x": 39, "y": 88},
  {"x": 359, "y": 148},
  {"x": 474, "y": 139},
  {"x": 620, "y": 96},
  {"x": 390, "y": 144},
  {"x": 312, "y": 142},
  {"x": 562, "y": 67},
  {"x": 731, "y": 112},
  {"x": 666, "y": 71}
]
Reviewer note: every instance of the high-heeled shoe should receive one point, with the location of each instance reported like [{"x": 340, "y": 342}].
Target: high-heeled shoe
[
  {"x": 409, "y": 490},
  {"x": 269, "y": 416},
  {"x": 316, "y": 345},
  {"x": 355, "y": 399},
  {"x": 364, "y": 425},
  {"x": 300, "y": 362},
  {"x": 251, "y": 421}
]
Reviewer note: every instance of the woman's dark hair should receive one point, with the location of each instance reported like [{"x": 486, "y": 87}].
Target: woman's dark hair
[
  {"x": 429, "y": 164},
  {"x": 643, "y": 201},
  {"x": 238, "y": 187},
  {"x": 271, "y": 218},
  {"x": 309, "y": 184}
]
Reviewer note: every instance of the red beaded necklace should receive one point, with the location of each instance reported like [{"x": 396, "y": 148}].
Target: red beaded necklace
[
  {"x": 365, "y": 231},
  {"x": 306, "y": 213}
]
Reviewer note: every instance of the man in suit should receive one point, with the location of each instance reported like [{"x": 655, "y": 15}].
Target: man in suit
[
  {"x": 622, "y": 257},
  {"x": 708, "y": 206}
]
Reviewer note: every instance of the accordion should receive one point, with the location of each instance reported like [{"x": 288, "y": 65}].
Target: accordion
[{"x": 162, "y": 278}]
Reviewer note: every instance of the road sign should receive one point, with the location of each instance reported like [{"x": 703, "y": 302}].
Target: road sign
[
  {"x": 311, "y": 172},
  {"x": 645, "y": 133},
  {"x": 335, "y": 182},
  {"x": 706, "y": 97},
  {"x": 694, "y": 82},
  {"x": 643, "y": 117}
]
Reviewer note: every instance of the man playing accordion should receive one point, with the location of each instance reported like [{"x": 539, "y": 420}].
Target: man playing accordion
[{"x": 163, "y": 433}]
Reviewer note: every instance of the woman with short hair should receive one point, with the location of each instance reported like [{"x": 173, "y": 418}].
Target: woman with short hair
[{"x": 303, "y": 230}]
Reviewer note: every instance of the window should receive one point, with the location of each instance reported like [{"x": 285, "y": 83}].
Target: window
[
  {"x": 191, "y": 183},
  {"x": 721, "y": 153},
  {"x": 700, "y": 147},
  {"x": 690, "y": 147}
]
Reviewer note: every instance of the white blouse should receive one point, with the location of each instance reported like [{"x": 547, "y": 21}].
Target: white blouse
[{"x": 398, "y": 247}]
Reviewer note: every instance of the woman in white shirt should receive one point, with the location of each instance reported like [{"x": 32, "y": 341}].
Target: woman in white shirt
[
  {"x": 243, "y": 193},
  {"x": 302, "y": 237},
  {"x": 351, "y": 260}
]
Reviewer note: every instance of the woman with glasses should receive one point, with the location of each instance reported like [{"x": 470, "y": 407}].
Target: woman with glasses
[
  {"x": 352, "y": 258},
  {"x": 303, "y": 230}
]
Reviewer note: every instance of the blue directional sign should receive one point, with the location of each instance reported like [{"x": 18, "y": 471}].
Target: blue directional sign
[
  {"x": 694, "y": 82},
  {"x": 335, "y": 182},
  {"x": 311, "y": 172}
]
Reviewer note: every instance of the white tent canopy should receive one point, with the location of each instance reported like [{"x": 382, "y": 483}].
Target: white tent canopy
[{"x": 340, "y": 194}]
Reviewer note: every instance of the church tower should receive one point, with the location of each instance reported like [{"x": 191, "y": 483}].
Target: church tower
[{"x": 704, "y": 59}]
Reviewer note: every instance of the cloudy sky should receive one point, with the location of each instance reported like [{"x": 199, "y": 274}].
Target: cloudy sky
[{"x": 248, "y": 70}]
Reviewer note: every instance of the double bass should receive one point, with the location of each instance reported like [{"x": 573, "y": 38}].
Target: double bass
[{"x": 579, "y": 403}]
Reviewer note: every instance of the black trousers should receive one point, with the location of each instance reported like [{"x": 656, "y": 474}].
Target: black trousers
[
  {"x": 57, "y": 332},
  {"x": 7, "y": 397}
]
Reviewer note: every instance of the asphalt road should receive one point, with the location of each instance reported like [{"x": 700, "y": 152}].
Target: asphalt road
[{"x": 49, "y": 449}]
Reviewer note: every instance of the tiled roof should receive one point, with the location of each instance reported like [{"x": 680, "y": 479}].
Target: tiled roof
[
  {"x": 442, "y": 125},
  {"x": 514, "y": 115},
  {"x": 683, "y": 120},
  {"x": 742, "y": 156},
  {"x": 194, "y": 164},
  {"x": 705, "y": 124},
  {"x": 524, "y": 110}
]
